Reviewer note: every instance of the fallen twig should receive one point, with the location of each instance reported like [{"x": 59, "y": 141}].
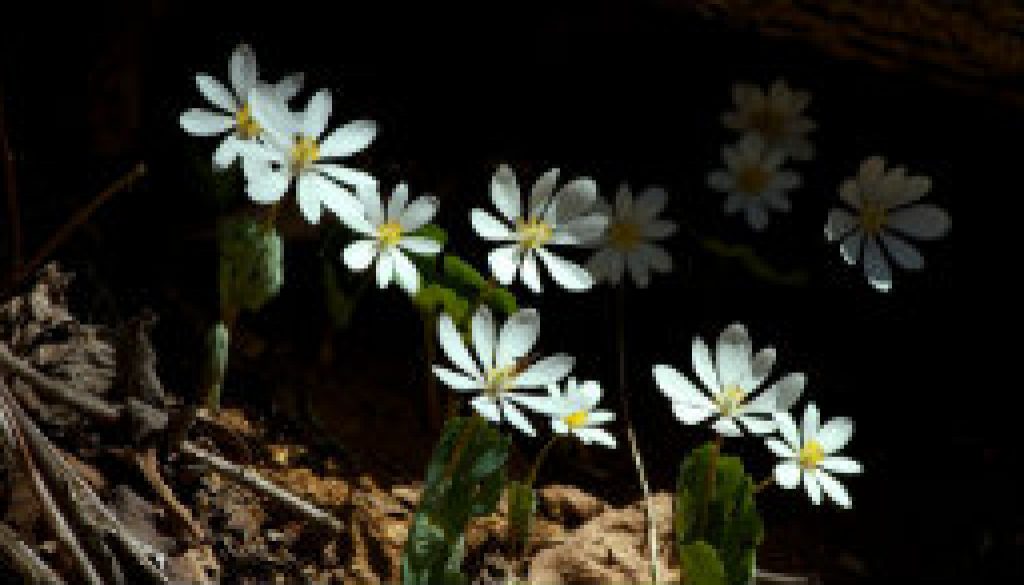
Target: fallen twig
[
  {"x": 262, "y": 485},
  {"x": 20, "y": 557},
  {"x": 147, "y": 463}
]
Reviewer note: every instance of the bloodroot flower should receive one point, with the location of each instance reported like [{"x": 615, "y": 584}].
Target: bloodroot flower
[
  {"x": 629, "y": 241},
  {"x": 775, "y": 115},
  {"x": 753, "y": 181},
  {"x": 884, "y": 210}
]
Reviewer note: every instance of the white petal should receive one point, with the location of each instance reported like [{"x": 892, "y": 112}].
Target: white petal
[
  {"x": 902, "y": 252},
  {"x": 841, "y": 465},
  {"x": 278, "y": 124},
  {"x": 789, "y": 389},
  {"x": 408, "y": 278},
  {"x": 733, "y": 356},
  {"x": 242, "y": 70},
  {"x": 418, "y": 213},
  {"x": 568, "y": 275},
  {"x": 505, "y": 193},
  {"x": 589, "y": 394},
  {"x": 721, "y": 181},
  {"x": 812, "y": 486},
  {"x": 385, "y": 268},
  {"x": 851, "y": 246},
  {"x": 649, "y": 203},
  {"x": 574, "y": 198},
  {"x": 540, "y": 195},
  {"x": 756, "y": 216},
  {"x": 529, "y": 272},
  {"x": 484, "y": 335},
  {"x": 267, "y": 186},
  {"x": 835, "y": 434},
  {"x": 517, "y": 337},
  {"x": 703, "y": 365},
  {"x": 489, "y": 227},
  {"x": 456, "y": 381},
  {"x": 546, "y": 371},
  {"x": 486, "y": 407},
  {"x": 420, "y": 245},
  {"x": 727, "y": 428},
  {"x": 204, "y": 122},
  {"x": 504, "y": 263},
  {"x": 876, "y": 267},
  {"x": 758, "y": 425},
  {"x": 226, "y": 152},
  {"x": 516, "y": 418},
  {"x": 638, "y": 269},
  {"x": 599, "y": 436},
  {"x": 689, "y": 414},
  {"x": 787, "y": 474},
  {"x": 849, "y": 193},
  {"x": 312, "y": 191},
  {"x": 318, "y": 111},
  {"x": 373, "y": 206},
  {"x": 348, "y": 139},
  {"x": 580, "y": 230},
  {"x": 788, "y": 430},
  {"x": 350, "y": 211},
  {"x": 913, "y": 189},
  {"x": 455, "y": 348},
  {"x": 678, "y": 388},
  {"x": 658, "y": 229},
  {"x": 289, "y": 86},
  {"x": 359, "y": 254},
  {"x": 835, "y": 490},
  {"x": 765, "y": 403},
  {"x": 355, "y": 178},
  {"x": 762, "y": 366},
  {"x": 216, "y": 93},
  {"x": 781, "y": 449},
  {"x": 924, "y": 222},
  {"x": 840, "y": 222},
  {"x": 811, "y": 423},
  {"x": 398, "y": 201}
]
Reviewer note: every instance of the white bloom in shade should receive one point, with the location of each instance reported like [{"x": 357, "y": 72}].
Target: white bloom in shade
[
  {"x": 387, "y": 235},
  {"x": 884, "y": 209},
  {"x": 564, "y": 218},
  {"x": 628, "y": 242},
  {"x": 573, "y": 411},
  {"x": 728, "y": 385},
  {"x": 776, "y": 115},
  {"x": 499, "y": 369},
  {"x": 233, "y": 114},
  {"x": 753, "y": 181},
  {"x": 810, "y": 453},
  {"x": 297, "y": 147}
]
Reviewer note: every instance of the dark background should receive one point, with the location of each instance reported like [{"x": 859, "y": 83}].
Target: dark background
[{"x": 614, "y": 90}]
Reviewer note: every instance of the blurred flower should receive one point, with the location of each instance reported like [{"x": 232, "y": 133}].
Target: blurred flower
[
  {"x": 234, "y": 114},
  {"x": 881, "y": 201},
  {"x": 388, "y": 235},
  {"x": 627, "y": 243},
  {"x": 775, "y": 115},
  {"x": 572, "y": 411},
  {"x": 501, "y": 366},
  {"x": 565, "y": 219},
  {"x": 753, "y": 180},
  {"x": 293, "y": 146},
  {"x": 728, "y": 388},
  {"x": 811, "y": 453}
]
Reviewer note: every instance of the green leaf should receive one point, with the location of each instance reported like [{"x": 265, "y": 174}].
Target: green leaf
[
  {"x": 522, "y": 506},
  {"x": 459, "y": 273},
  {"x": 700, "y": 565},
  {"x": 432, "y": 232},
  {"x": 251, "y": 263}
]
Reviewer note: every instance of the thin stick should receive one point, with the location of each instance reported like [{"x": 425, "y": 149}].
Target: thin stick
[
  {"x": 652, "y": 530},
  {"x": 80, "y": 217},
  {"x": 150, "y": 468},
  {"x": 11, "y": 183},
  {"x": 17, "y": 554},
  {"x": 262, "y": 485}
]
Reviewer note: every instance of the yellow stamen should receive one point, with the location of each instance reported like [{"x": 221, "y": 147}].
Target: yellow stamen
[
  {"x": 752, "y": 180},
  {"x": 576, "y": 419},
  {"x": 872, "y": 217},
  {"x": 533, "y": 233},
  {"x": 811, "y": 455},
  {"x": 304, "y": 153},
  {"x": 389, "y": 233},
  {"x": 247, "y": 127},
  {"x": 769, "y": 122},
  {"x": 624, "y": 235},
  {"x": 498, "y": 380},
  {"x": 730, "y": 399}
]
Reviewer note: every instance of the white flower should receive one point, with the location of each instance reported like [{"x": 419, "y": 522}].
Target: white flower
[
  {"x": 572, "y": 411},
  {"x": 881, "y": 201},
  {"x": 499, "y": 369},
  {"x": 775, "y": 115},
  {"x": 564, "y": 219},
  {"x": 387, "y": 235},
  {"x": 294, "y": 146},
  {"x": 234, "y": 114},
  {"x": 627, "y": 243},
  {"x": 727, "y": 389},
  {"x": 812, "y": 455},
  {"x": 753, "y": 180}
]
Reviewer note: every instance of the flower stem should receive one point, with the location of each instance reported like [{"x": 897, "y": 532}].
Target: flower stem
[
  {"x": 541, "y": 455},
  {"x": 764, "y": 484},
  {"x": 620, "y": 336}
]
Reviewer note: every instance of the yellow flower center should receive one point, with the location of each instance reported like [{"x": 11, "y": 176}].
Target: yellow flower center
[
  {"x": 247, "y": 127},
  {"x": 752, "y": 180},
  {"x": 304, "y": 153},
  {"x": 533, "y": 233},
  {"x": 731, "y": 397},
  {"x": 624, "y": 235},
  {"x": 811, "y": 455},
  {"x": 872, "y": 217},
  {"x": 576, "y": 419},
  {"x": 769, "y": 122},
  {"x": 498, "y": 380},
  {"x": 389, "y": 233}
]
